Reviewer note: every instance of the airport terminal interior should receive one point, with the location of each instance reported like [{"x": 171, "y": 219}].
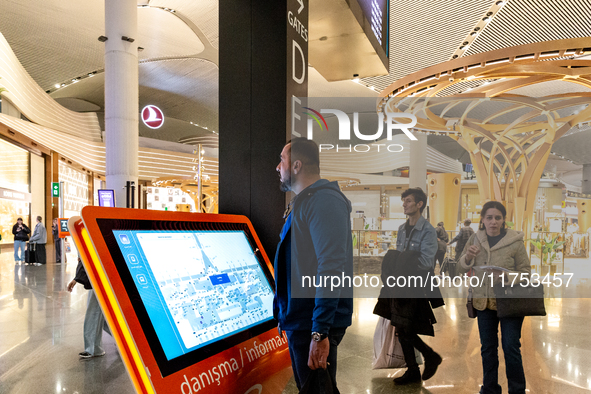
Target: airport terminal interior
[{"x": 173, "y": 107}]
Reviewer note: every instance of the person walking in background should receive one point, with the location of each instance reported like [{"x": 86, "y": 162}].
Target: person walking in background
[
  {"x": 462, "y": 237},
  {"x": 417, "y": 244},
  {"x": 94, "y": 320},
  {"x": 442, "y": 239},
  {"x": 21, "y": 235},
  {"x": 495, "y": 245},
  {"x": 55, "y": 230},
  {"x": 39, "y": 239}
]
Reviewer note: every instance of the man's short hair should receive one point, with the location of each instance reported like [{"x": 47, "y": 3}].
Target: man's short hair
[
  {"x": 307, "y": 152},
  {"x": 418, "y": 194},
  {"x": 467, "y": 222},
  {"x": 39, "y": 218},
  {"x": 21, "y": 219}
]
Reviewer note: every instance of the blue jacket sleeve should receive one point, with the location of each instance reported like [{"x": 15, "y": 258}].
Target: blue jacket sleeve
[
  {"x": 428, "y": 249},
  {"x": 329, "y": 229}
]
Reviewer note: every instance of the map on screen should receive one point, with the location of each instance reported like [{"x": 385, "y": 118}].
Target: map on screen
[{"x": 197, "y": 286}]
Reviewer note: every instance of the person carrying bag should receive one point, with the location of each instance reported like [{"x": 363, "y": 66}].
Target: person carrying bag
[{"x": 500, "y": 251}]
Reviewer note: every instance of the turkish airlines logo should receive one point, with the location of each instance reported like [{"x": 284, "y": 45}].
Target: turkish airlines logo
[{"x": 152, "y": 116}]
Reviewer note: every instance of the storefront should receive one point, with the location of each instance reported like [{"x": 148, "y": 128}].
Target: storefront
[{"x": 21, "y": 188}]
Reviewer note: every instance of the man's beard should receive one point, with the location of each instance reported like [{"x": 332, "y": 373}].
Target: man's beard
[{"x": 285, "y": 185}]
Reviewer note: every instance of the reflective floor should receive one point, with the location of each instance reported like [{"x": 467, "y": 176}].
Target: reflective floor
[{"x": 41, "y": 336}]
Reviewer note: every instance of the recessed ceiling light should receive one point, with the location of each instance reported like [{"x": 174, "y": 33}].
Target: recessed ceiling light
[
  {"x": 63, "y": 84},
  {"x": 74, "y": 80},
  {"x": 57, "y": 85},
  {"x": 486, "y": 19}
]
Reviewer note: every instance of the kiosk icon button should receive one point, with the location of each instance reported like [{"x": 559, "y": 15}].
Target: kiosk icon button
[
  {"x": 132, "y": 258},
  {"x": 141, "y": 278}
]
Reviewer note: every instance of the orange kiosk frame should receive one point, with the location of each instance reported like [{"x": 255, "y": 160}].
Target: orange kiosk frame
[{"x": 253, "y": 361}]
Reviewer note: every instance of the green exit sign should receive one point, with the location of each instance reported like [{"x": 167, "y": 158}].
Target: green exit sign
[{"x": 55, "y": 189}]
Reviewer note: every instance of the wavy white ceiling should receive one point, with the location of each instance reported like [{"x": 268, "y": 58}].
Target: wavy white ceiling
[{"x": 522, "y": 22}]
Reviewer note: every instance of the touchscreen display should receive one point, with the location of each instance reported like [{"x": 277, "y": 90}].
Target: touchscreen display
[{"x": 197, "y": 286}]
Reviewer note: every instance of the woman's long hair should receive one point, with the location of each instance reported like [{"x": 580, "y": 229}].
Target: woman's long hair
[{"x": 496, "y": 205}]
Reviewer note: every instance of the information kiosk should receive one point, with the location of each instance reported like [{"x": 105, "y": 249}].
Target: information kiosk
[{"x": 188, "y": 298}]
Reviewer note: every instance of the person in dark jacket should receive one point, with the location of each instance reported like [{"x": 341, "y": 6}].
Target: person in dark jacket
[
  {"x": 55, "y": 230},
  {"x": 442, "y": 240},
  {"x": 410, "y": 313},
  {"x": 315, "y": 242},
  {"x": 462, "y": 237},
  {"x": 94, "y": 321},
  {"x": 21, "y": 235}
]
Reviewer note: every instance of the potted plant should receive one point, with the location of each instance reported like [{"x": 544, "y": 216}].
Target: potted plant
[{"x": 549, "y": 251}]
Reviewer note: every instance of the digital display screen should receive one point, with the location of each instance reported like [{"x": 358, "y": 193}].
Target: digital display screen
[
  {"x": 106, "y": 198},
  {"x": 376, "y": 12},
  {"x": 198, "y": 287}
]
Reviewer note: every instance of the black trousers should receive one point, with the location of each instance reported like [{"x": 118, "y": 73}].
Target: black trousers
[
  {"x": 58, "y": 250},
  {"x": 409, "y": 341},
  {"x": 40, "y": 255},
  {"x": 439, "y": 256}
]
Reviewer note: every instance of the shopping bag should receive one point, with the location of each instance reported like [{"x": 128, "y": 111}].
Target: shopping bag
[{"x": 387, "y": 351}]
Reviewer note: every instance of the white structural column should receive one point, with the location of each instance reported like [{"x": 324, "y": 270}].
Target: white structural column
[
  {"x": 121, "y": 96},
  {"x": 417, "y": 169},
  {"x": 586, "y": 185}
]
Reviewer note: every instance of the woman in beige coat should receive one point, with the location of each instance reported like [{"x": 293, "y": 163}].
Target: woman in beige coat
[{"x": 495, "y": 245}]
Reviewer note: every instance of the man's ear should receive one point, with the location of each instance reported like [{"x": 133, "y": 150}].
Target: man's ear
[
  {"x": 296, "y": 166},
  {"x": 420, "y": 204}
]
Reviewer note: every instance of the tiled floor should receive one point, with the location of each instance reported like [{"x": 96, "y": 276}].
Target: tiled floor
[{"x": 41, "y": 335}]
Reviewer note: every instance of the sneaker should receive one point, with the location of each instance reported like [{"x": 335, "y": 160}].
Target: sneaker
[
  {"x": 431, "y": 363},
  {"x": 412, "y": 375},
  {"x": 37, "y": 264},
  {"x": 88, "y": 355}
]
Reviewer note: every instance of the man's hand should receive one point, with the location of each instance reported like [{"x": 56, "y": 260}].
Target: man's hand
[
  {"x": 472, "y": 252},
  {"x": 318, "y": 354},
  {"x": 71, "y": 285}
]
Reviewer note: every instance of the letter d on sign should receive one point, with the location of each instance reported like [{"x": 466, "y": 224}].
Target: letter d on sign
[
  {"x": 186, "y": 382},
  {"x": 293, "y": 65}
]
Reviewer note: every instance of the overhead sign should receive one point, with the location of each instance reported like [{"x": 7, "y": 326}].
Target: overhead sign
[
  {"x": 152, "y": 116},
  {"x": 55, "y": 189}
]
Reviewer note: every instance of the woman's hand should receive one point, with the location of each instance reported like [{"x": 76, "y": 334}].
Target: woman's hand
[{"x": 472, "y": 252}]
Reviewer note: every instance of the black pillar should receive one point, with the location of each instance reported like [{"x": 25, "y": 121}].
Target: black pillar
[{"x": 253, "y": 109}]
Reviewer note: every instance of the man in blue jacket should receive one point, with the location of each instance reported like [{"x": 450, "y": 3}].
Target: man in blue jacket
[{"x": 315, "y": 244}]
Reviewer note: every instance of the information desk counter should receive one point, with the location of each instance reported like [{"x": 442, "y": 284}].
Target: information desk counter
[{"x": 188, "y": 298}]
